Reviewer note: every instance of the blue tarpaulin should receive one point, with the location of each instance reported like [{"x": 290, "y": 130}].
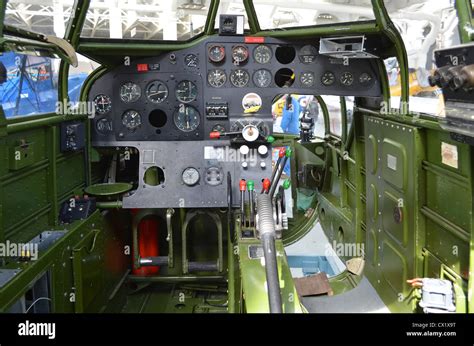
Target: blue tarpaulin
[{"x": 31, "y": 86}]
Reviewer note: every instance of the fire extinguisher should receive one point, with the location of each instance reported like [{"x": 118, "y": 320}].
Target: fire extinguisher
[{"x": 148, "y": 243}]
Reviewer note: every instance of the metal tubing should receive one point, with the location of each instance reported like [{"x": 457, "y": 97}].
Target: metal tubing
[
  {"x": 278, "y": 176},
  {"x": 266, "y": 228},
  {"x": 271, "y": 269},
  {"x": 203, "y": 267},
  {"x": 154, "y": 261},
  {"x": 275, "y": 170},
  {"x": 109, "y": 205}
]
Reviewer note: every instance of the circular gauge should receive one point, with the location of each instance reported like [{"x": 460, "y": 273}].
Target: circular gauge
[
  {"x": 216, "y": 78},
  {"x": 104, "y": 126},
  {"x": 250, "y": 133},
  {"x": 216, "y": 53},
  {"x": 365, "y": 79},
  {"x": 131, "y": 120},
  {"x": 218, "y": 128},
  {"x": 240, "y": 54},
  {"x": 130, "y": 92},
  {"x": 262, "y": 78},
  {"x": 262, "y": 54},
  {"x": 239, "y": 78},
  {"x": 187, "y": 118},
  {"x": 328, "y": 78},
  {"x": 308, "y": 54},
  {"x": 190, "y": 176},
  {"x": 191, "y": 60},
  {"x": 156, "y": 91},
  {"x": 307, "y": 79},
  {"x": 347, "y": 78},
  {"x": 186, "y": 91},
  {"x": 102, "y": 104}
]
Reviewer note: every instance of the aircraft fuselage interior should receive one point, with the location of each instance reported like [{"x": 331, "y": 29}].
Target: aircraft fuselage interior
[{"x": 205, "y": 158}]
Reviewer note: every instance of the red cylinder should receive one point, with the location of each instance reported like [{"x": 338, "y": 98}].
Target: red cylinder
[{"x": 148, "y": 244}]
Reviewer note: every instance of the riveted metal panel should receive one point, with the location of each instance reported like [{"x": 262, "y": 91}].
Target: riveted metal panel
[
  {"x": 372, "y": 154},
  {"x": 398, "y": 229},
  {"x": 393, "y": 187},
  {"x": 394, "y": 159},
  {"x": 372, "y": 202},
  {"x": 395, "y": 269},
  {"x": 372, "y": 247}
]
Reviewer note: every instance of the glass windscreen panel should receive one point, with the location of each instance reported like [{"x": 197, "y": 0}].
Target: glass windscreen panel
[
  {"x": 77, "y": 77},
  {"x": 279, "y": 14},
  {"x": 48, "y": 17},
  {"x": 31, "y": 87},
  {"x": 425, "y": 26},
  {"x": 167, "y": 20}
]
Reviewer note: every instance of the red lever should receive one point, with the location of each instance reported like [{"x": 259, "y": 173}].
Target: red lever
[
  {"x": 215, "y": 135},
  {"x": 243, "y": 185},
  {"x": 266, "y": 185},
  {"x": 282, "y": 153}
]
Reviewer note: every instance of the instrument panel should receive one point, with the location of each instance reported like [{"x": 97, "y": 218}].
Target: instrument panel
[{"x": 224, "y": 85}]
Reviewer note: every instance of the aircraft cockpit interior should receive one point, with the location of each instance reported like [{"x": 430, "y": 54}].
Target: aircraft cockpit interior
[{"x": 206, "y": 156}]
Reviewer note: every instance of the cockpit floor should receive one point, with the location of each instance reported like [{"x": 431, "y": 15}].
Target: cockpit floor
[
  {"x": 362, "y": 299},
  {"x": 314, "y": 254}
]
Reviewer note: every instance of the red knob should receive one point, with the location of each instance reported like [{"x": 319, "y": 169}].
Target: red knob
[
  {"x": 215, "y": 135},
  {"x": 282, "y": 153},
  {"x": 266, "y": 185},
  {"x": 243, "y": 185}
]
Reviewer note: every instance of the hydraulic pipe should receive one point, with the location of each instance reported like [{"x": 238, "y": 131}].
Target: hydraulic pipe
[{"x": 266, "y": 228}]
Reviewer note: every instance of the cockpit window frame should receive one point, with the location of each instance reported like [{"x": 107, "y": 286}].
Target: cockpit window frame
[
  {"x": 210, "y": 14},
  {"x": 252, "y": 13}
]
